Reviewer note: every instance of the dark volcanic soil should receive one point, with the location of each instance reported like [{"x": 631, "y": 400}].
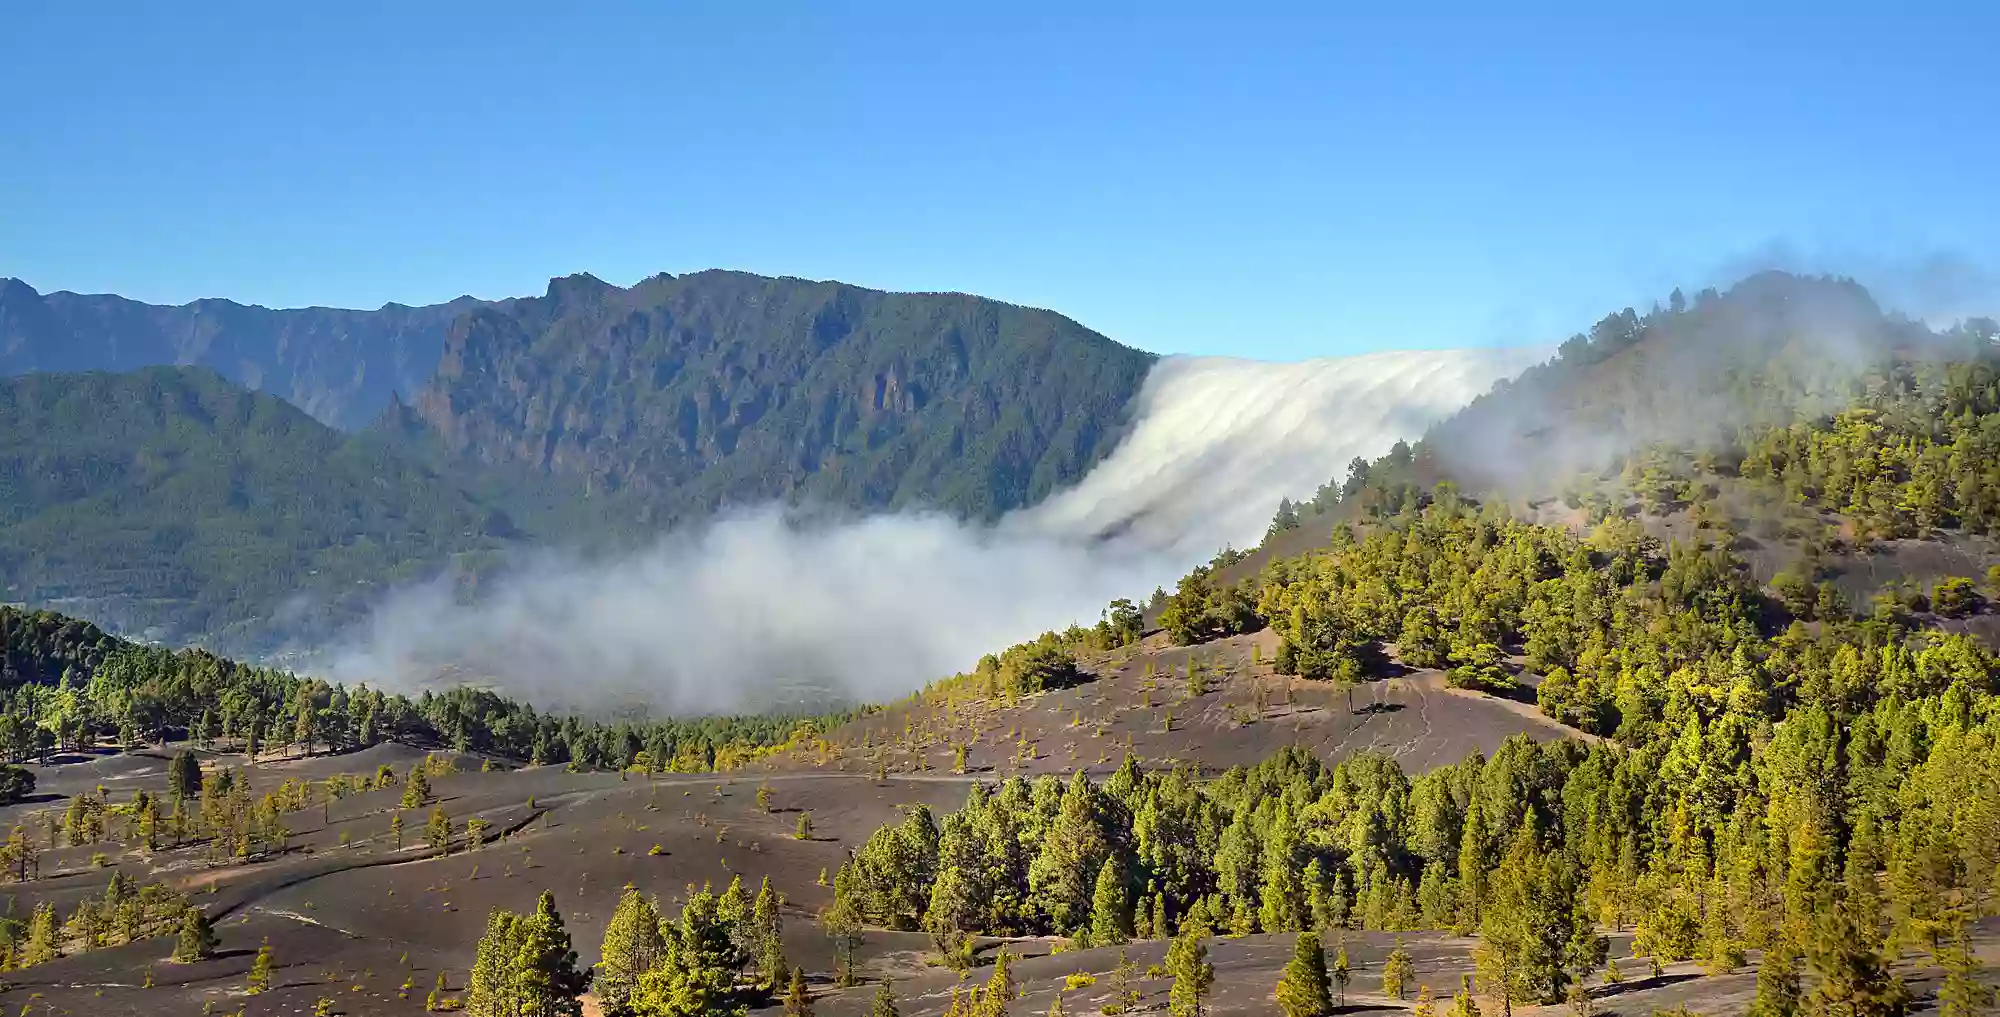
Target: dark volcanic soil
[
  {"x": 354, "y": 920},
  {"x": 1140, "y": 702}
]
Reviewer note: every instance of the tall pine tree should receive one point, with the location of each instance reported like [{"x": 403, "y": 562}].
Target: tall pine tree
[
  {"x": 632, "y": 946},
  {"x": 1303, "y": 989}
]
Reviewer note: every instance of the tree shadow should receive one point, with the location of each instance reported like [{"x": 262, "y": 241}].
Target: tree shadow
[
  {"x": 1637, "y": 984},
  {"x": 1388, "y": 667},
  {"x": 1378, "y": 707}
]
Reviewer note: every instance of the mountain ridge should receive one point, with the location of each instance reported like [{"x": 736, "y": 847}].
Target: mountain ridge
[
  {"x": 181, "y": 502},
  {"x": 717, "y": 388},
  {"x": 338, "y": 364}
]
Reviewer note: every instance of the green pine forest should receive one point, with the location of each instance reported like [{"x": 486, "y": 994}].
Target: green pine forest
[
  {"x": 1761, "y": 768},
  {"x": 68, "y": 687},
  {"x": 1769, "y": 767}
]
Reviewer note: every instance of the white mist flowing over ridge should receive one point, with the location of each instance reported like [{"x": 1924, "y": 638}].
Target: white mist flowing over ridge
[
  {"x": 1217, "y": 441},
  {"x": 744, "y": 612}
]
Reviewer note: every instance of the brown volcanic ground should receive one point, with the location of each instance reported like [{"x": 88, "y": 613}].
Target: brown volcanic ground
[
  {"x": 1139, "y": 702},
  {"x": 352, "y": 919}
]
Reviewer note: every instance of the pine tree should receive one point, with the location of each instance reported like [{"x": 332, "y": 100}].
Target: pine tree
[
  {"x": 438, "y": 831},
  {"x": 546, "y": 972},
  {"x": 1193, "y": 974},
  {"x": 1285, "y": 902},
  {"x": 700, "y": 970},
  {"x": 954, "y": 905},
  {"x": 733, "y": 905},
  {"x": 259, "y": 979},
  {"x": 1475, "y": 862},
  {"x": 1853, "y": 979},
  {"x": 841, "y": 923},
  {"x": 885, "y": 1001},
  {"x": 1125, "y": 994},
  {"x": 768, "y": 936},
  {"x": 1426, "y": 1003},
  {"x": 1398, "y": 971},
  {"x": 1963, "y": 994},
  {"x": 42, "y": 945},
  {"x": 999, "y": 989},
  {"x": 1073, "y": 848},
  {"x": 1111, "y": 907},
  {"x": 197, "y": 937},
  {"x": 416, "y": 787},
  {"x": 1463, "y": 1004},
  {"x": 1533, "y": 927},
  {"x": 1778, "y": 989},
  {"x": 491, "y": 991},
  {"x": 1342, "y": 972},
  {"x": 798, "y": 1003},
  {"x": 184, "y": 776},
  {"x": 1303, "y": 990},
  {"x": 632, "y": 946}
]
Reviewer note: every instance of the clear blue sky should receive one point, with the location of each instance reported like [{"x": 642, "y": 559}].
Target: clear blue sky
[{"x": 1276, "y": 181}]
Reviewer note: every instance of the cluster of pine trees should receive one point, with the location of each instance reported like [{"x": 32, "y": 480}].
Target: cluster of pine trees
[
  {"x": 1201, "y": 609},
  {"x": 1047, "y": 662},
  {"x": 125, "y": 912},
  {"x": 65, "y": 686},
  {"x": 722, "y": 952},
  {"x": 526, "y": 967},
  {"x": 1919, "y": 450},
  {"x": 1824, "y": 795}
]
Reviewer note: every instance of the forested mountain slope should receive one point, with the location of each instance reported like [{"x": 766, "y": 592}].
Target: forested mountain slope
[
  {"x": 170, "y": 498},
  {"x": 727, "y": 388},
  {"x": 79, "y": 684},
  {"x": 342, "y": 366},
  {"x": 1822, "y": 438},
  {"x": 1773, "y": 349},
  {"x": 1750, "y": 775}
]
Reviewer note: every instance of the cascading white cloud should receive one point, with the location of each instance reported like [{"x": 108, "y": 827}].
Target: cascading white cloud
[
  {"x": 734, "y": 614},
  {"x": 1218, "y": 441}
]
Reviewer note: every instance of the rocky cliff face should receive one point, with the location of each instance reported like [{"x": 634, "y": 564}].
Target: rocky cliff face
[
  {"x": 341, "y": 366},
  {"x": 723, "y": 388}
]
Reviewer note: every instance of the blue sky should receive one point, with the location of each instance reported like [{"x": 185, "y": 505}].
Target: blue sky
[{"x": 1262, "y": 180}]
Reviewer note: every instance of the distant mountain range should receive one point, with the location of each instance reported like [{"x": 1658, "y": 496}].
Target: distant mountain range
[
  {"x": 241, "y": 475},
  {"x": 343, "y": 367},
  {"x": 721, "y": 388}
]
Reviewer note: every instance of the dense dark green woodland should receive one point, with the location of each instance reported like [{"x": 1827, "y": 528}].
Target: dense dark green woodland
[
  {"x": 68, "y": 687},
  {"x": 172, "y": 503},
  {"x": 168, "y": 497},
  {"x": 724, "y": 388}
]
